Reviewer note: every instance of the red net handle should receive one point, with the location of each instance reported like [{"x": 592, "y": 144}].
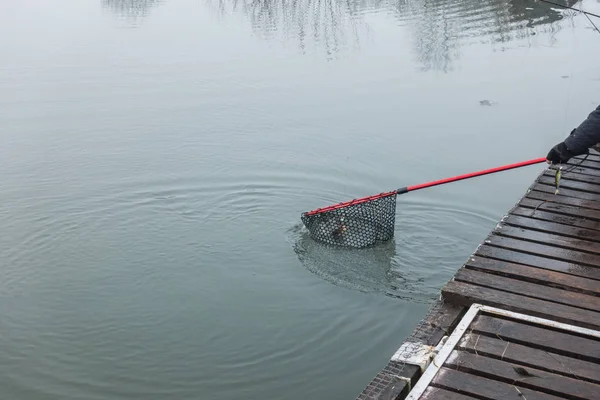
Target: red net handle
[
  {"x": 471, "y": 175},
  {"x": 426, "y": 185}
]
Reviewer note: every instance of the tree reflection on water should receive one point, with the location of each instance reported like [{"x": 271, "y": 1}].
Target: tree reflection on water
[
  {"x": 131, "y": 9},
  {"x": 439, "y": 27}
]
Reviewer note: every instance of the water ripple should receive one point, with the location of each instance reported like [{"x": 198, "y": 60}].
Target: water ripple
[{"x": 412, "y": 266}]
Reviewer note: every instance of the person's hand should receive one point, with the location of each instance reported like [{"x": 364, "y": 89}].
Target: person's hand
[{"x": 559, "y": 154}]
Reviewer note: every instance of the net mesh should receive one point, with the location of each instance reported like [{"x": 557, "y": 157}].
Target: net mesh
[{"x": 360, "y": 224}]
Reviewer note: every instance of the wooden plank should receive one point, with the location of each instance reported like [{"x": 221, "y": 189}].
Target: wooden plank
[
  {"x": 554, "y": 207},
  {"x": 466, "y": 294},
  {"x": 536, "y": 275},
  {"x": 542, "y": 381},
  {"x": 570, "y": 184},
  {"x": 538, "y": 261},
  {"x": 548, "y": 238},
  {"x": 549, "y": 196},
  {"x": 586, "y": 164},
  {"x": 573, "y": 176},
  {"x": 558, "y": 218},
  {"x": 529, "y": 289},
  {"x": 559, "y": 342},
  {"x": 484, "y": 388},
  {"x": 592, "y": 155},
  {"x": 584, "y": 170},
  {"x": 551, "y": 227},
  {"x": 530, "y": 357},
  {"x": 564, "y": 192},
  {"x": 433, "y": 393},
  {"x": 548, "y": 251}
]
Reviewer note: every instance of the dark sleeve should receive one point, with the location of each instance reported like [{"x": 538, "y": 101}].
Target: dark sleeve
[{"x": 586, "y": 135}]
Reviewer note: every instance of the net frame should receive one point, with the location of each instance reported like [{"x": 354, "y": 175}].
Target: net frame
[{"x": 358, "y": 223}]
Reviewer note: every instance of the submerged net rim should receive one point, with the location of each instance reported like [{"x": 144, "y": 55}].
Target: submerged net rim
[{"x": 350, "y": 203}]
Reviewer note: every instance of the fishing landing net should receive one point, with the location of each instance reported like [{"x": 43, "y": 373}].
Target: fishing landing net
[
  {"x": 358, "y": 223},
  {"x": 368, "y": 221}
]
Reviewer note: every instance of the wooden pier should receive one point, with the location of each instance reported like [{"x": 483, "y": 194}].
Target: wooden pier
[{"x": 521, "y": 318}]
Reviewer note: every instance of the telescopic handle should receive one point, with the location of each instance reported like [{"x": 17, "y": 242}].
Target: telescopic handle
[{"x": 470, "y": 175}]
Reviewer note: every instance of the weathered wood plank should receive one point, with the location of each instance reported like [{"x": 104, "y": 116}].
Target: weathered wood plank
[
  {"x": 540, "y": 187},
  {"x": 483, "y": 388},
  {"x": 557, "y": 208},
  {"x": 542, "y": 381},
  {"x": 584, "y": 170},
  {"x": 549, "y": 196},
  {"x": 529, "y": 289},
  {"x": 548, "y": 251},
  {"x": 555, "y": 341},
  {"x": 585, "y": 164},
  {"x": 538, "y": 261},
  {"x": 570, "y": 184},
  {"x": 558, "y": 218},
  {"x": 530, "y": 357},
  {"x": 534, "y": 274},
  {"x": 549, "y": 239},
  {"x": 552, "y": 227},
  {"x": 433, "y": 393},
  {"x": 574, "y": 176},
  {"x": 466, "y": 294}
]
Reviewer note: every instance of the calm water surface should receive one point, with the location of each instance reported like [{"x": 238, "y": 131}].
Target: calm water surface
[{"x": 156, "y": 156}]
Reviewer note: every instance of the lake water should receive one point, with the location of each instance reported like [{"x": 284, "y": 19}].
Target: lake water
[{"x": 156, "y": 156}]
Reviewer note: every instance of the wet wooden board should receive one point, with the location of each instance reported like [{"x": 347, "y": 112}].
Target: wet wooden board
[
  {"x": 559, "y": 209},
  {"x": 558, "y": 217},
  {"x": 453, "y": 381},
  {"x": 532, "y": 274},
  {"x": 565, "y": 343},
  {"x": 466, "y": 294},
  {"x": 538, "y": 261},
  {"x": 546, "y": 193},
  {"x": 550, "y": 238},
  {"x": 533, "y": 379},
  {"x": 569, "y": 231},
  {"x": 528, "y": 356},
  {"x": 535, "y": 290},
  {"x": 542, "y": 260},
  {"x": 567, "y": 183},
  {"x": 563, "y": 192},
  {"x": 505, "y": 357}
]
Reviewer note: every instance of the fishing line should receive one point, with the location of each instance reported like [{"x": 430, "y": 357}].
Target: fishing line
[
  {"x": 587, "y": 13},
  {"x": 571, "y": 168},
  {"x": 591, "y": 22}
]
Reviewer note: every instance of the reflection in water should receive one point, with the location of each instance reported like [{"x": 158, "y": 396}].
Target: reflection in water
[
  {"x": 442, "y": 26},
  {"x": 328, "y": 24},
  {"x": 131, "y": 9},
  {"x": 372, "y": 269}
]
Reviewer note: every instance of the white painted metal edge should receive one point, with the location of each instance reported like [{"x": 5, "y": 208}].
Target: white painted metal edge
[
  {"x": 445, "y": 351},
  {"x": 432, "y": 370},
  {"x": 541, "y": 321}
]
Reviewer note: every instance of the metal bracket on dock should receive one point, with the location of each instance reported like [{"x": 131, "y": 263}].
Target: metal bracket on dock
[{"x": 416, "y": 353}]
